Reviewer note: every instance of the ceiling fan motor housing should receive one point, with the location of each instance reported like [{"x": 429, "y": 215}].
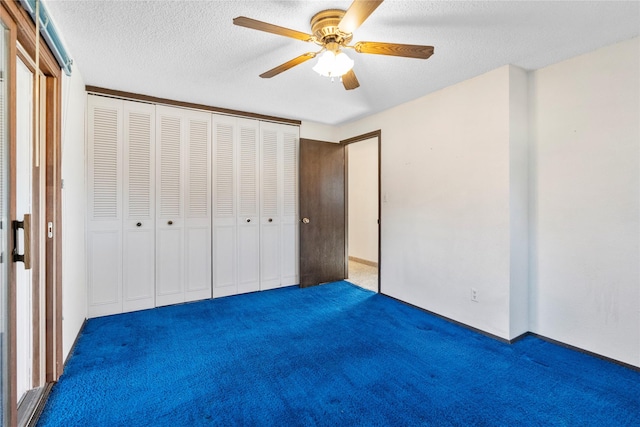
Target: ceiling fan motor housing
[{"x": 324, "y": 26}]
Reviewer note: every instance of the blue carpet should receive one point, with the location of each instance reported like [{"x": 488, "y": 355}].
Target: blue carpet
[{"x": 329, "y": 355}]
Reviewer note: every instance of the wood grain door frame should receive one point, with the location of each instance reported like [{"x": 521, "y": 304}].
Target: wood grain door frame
[
  {"x": 37, "y": 235},
  {"x": 10, "y": 403},
  {"x": 370, "y": 135},
  {"x": 25, "y": 34}
]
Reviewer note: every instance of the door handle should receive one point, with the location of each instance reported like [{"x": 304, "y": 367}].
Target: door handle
[
  {"x": 25, "y": 257},
  {"x": 305, "y": 220}
]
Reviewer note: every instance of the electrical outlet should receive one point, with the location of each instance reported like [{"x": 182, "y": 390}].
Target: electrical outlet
[{"x": 474, "y": 295}]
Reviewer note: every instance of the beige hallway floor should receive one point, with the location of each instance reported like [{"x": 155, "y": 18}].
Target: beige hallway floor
[{"x": 363, "y": 275}]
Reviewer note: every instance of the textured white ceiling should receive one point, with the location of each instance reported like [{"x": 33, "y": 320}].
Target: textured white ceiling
[{"x": 191, "y": 51}]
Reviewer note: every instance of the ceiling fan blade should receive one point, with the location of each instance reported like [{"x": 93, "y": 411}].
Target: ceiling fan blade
[
  {"x": 243, "y": 21},
  {"x": 350, "y": 81},
  {"x": 395, "y": 49},
  {"x": 289, "y": 64},
  {"x": 357, "y": 13}
]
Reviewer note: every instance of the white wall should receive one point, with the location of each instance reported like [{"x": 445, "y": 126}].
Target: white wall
[
  {"x": 318, "y": 131},
  {"x": 518, "y": 202},
  {"x": 446, "y": 200},
  {"x": 585, "y": 256},
  {"x": 363, "y": 199},
  {"x": 74, "y": 293},
  {"x": 525, "y": 186}
]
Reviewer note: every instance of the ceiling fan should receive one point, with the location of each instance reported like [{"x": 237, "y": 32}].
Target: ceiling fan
[{"x": 333, "y": 30}]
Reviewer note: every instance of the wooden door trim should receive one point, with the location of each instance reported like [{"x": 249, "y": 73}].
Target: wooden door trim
[
  {"x": 112, "y": 93},
  {"x": 364, "y": 136},
  {"x": 53, "y": 291},
  {"x": 12, "y": 397},
  {"x": 345, "y": 142},
  {"x": 37, "y": 236},
  {"x": 26, "y": 36}
]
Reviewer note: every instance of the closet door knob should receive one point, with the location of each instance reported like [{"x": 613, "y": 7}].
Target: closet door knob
[
  {"x": 139, "y": 224},
  {"x": 270, "y": 219},
  {"x": 170, "y": 222},
  {"x": 248, "y": 219},
  {"x": 305, "y": 220}
]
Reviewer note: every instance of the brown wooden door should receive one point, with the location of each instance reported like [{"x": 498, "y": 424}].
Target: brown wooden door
[{"x": 322, "y": 203}]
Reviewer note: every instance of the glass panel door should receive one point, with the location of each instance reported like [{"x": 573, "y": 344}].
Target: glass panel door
[{"x": 23, "y": 183}]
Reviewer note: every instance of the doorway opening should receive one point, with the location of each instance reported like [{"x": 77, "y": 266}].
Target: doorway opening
[{"x": 362, "y": 192}]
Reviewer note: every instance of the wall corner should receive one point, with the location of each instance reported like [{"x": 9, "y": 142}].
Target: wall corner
[{"x": 518, "y": 202}]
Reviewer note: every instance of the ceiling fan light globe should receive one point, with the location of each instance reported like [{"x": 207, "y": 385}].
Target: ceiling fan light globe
[
  {"x": 342, "y": 64},
  {"x": 331, "y": 65},
  {"x": 324, "y": 64}
]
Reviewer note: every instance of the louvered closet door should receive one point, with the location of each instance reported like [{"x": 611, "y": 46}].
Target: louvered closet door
[
  {"x": 197, "y": 206},
  {"x": 270, "y": 205},
  {"x": 290, "y": 221},
  {"x": 225, "y": 248},
  {"x": 104, "y": 225},
  {"x": 248, "y": 206},
  {"x": 138, "y": 249},
  {"x": 170, "y": 284}
]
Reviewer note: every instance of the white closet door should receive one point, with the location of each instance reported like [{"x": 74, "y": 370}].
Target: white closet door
[
  {"x": 169, "y": 206},
  {"x": 138, "y": 249},
  {"x": 225, "y": 249},
  {"x": 290, "y": 222},
  {"x": 197, "y": 206},
  {"x": 248, "y": 206},
  {"x": 104, "y": 225},
  {"x": 270, "y": 206}
]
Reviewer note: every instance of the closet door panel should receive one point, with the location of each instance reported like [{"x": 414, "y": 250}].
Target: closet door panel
[
  {"x": 105, "y": 272},
  {"x": 169, "y": 207},
  {"x": 248, "y": 206},
  {"x": 198, "y": 263},
  {"x": 225, "y": 247},
  {"x": 104, "y": 225},
  {"x": 289, "y": 262},
  {"x": 270, "y": 209},
  {"x": 249, "y": 259},
  {"x": 169, "y": 264},
  {"x": 139, "y": 211},
  {"x": 290, "y": 223},
  {"x": 224, "y": 255},
  {"x": 104, "y": 161},
  {"x": 139, "y": 270},
  {"x": 198, "y": 206},
  {"x": 270, "y": 257}
]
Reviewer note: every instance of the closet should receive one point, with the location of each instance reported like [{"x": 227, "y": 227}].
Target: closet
[
  {"x": 121, "y": 211},
  {"x": 279, "y": 205},
  {"x": 186, "y": 205},
  {"x": 255, "y": 205},
  {"x": 183, "y": 206},
  {"x": 236, "y": 235}
]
